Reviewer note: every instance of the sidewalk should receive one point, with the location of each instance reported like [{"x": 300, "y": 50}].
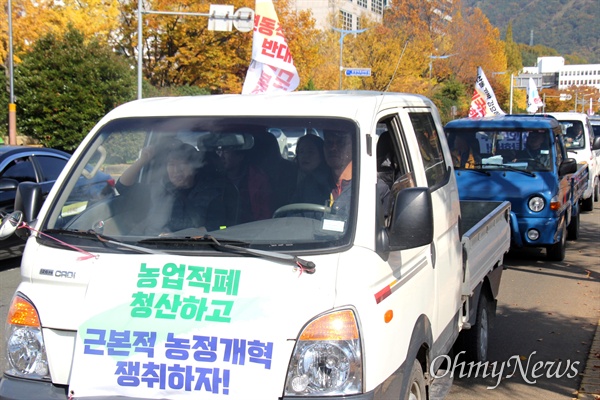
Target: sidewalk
[{"x": 590, "y": 382}]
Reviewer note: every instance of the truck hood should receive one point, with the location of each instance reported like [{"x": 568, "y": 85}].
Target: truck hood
[
  {"x": 515, "y": 187},
  {"x": 169, "y": 326}
]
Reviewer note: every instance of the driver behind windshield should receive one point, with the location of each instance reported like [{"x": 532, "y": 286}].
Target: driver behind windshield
[
  {"x": 536, "y": 148},
  {"x": 187, "y": 196}
]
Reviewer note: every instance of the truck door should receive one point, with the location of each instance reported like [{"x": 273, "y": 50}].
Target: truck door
[{"x": 446, "y": 249}]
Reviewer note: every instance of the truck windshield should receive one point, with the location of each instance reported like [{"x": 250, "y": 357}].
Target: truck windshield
[
  {"x": 526, "y": 150},
  {"x": 573, "y": 134},
  {"x": 231, "y": 178}
]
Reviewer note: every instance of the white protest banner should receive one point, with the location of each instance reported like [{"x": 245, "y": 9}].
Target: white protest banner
[
  {"x": 272, "y": 68},
  {"x": 533, "y": 98},
  {"x": 483, "y": 102}
]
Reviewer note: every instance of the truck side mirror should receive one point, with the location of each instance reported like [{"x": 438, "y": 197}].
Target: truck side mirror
[
  {"x": 568, "y": 166},
  {"x": 596, "y": 143},
  {"x": 8, "y": 184},
  {"x": 29, "y": 200},
  {"x": 412, "y": 221}
]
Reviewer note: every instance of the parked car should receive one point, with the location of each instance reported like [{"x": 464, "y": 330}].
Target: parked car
[{"x": 40, "y": 165}]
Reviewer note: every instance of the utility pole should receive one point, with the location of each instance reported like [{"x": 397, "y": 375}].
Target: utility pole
[{"x": 12, "y": 107}]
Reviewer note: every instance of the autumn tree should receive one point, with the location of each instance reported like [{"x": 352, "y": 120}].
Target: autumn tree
[
  {"x": 181, "y": 50},
  {"x": 66, "y": 85},
  {"x": 303, "y": 39},
  {"x": 476, "y": 43},
  {"x": 32, "y": 20}
]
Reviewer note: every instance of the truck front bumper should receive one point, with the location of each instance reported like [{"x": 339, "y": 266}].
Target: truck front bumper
[
  {"x": 525, "y": 228},
  {"x": 12, "y": 388}
]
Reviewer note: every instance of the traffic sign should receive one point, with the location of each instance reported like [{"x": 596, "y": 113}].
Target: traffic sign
[
  {"x": 565, "y": 97},
  {"x": 243, "y": 19},
  {"x": 358, "y": 71}
]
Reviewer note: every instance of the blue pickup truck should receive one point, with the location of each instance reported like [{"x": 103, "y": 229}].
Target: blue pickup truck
[{"x": 522, "y": 159}]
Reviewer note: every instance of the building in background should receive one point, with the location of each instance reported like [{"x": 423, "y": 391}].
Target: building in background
[
  {"x": 551, "y": 72},
  {"x": 350, "y": 11}
]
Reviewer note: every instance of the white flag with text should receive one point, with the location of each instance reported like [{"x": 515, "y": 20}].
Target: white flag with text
[
  {"x": 483, "y": 102},
  {"x": 533, "y": 98},
  {"x": 272, "y": 68}
]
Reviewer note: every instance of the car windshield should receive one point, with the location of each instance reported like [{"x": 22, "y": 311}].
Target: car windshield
[
  {"x": 184, "y": 178},
  {"x": 573, "y": 134},
  {"x": 526, "y": 150}
]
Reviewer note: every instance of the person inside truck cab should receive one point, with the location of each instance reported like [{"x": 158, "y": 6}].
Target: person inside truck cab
[
  {"x": 252, "y": 183},
  {"x": 338, "y": 155},
  {"x": 536, "y": 148},
  {"x": 462, "y": 154},
  {"x": 574, "y": 136},
  {"x": 186, "y": 196},
  {"x": 313, "y": 184}
]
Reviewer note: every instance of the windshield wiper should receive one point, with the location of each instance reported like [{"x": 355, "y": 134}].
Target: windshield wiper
[
  {"x": 502, "y": 166},
  {"x": 480, "y": 169},
  {"x": 92, "y": 234},
  {"x": 511, "y": 168},
  {"x": 237, "y": 247}
]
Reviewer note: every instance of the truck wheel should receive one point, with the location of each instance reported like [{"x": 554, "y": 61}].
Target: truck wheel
[
  {"x": 573, "y": 228},
  {"x": 588, "y": 204},
  {"x": 416, "y": 383},
  {"x": 557, "y": 251},
  {"x": 596, "y": 190},
  {"x": 475, "y": 340}
]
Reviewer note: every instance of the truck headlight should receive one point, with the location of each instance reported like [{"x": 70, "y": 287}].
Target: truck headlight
[
  {"x": 26, "y": 352},
  {"x": 536, "y": 203},
  {"x": 327, "y": 359}
]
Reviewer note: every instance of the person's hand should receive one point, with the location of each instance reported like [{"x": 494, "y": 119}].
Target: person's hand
[{"x": 148, "y": 154}]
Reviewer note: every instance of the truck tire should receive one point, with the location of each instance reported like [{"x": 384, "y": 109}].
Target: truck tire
[
  {"x": 588, "y": 204},
  {"x": 557, "y": 251},
  {"x": 596, "y": 190},
  {"x": 475, "y": 340},
  {"x": 573, "y": 228},
  {"x": 416, "y": 389}
]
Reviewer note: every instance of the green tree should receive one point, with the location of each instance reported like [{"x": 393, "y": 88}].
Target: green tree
[
  {"x": 513, "y": 54},
  {"x": 530, "y": 54},
  {"x": 66, "y": 85},
  {"x": 449, "y": 94}
]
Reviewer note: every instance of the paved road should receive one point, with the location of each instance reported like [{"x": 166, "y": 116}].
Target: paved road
[{"x": 549, "y": 308}]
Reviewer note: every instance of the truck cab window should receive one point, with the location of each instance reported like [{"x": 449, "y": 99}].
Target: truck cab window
[
  {"x": 430, "y": 146},
  {"x": 393, "y": 171}
]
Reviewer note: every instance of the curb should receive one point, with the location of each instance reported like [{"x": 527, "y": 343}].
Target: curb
[{"x": 590, "y": 381}]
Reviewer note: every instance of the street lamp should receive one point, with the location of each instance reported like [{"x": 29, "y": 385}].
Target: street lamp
[
  {"x": 432, "y": 57},
  {"x": 242, "y": 20},
  {"x": 343, "y": 33}
]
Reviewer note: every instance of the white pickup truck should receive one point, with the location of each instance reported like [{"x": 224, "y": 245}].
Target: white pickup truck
[
  {"x": 583, "y": 146},
  {"x": 249, "y": 280}
]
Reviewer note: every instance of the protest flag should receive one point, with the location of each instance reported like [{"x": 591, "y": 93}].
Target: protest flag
[
  {"x": 272, "y": 68},
  {"x": 533, "y": 98},
  {"x": 483, "y": 102}
]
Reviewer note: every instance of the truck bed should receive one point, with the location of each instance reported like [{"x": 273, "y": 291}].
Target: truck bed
[{"x": 485, "y": 237}]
